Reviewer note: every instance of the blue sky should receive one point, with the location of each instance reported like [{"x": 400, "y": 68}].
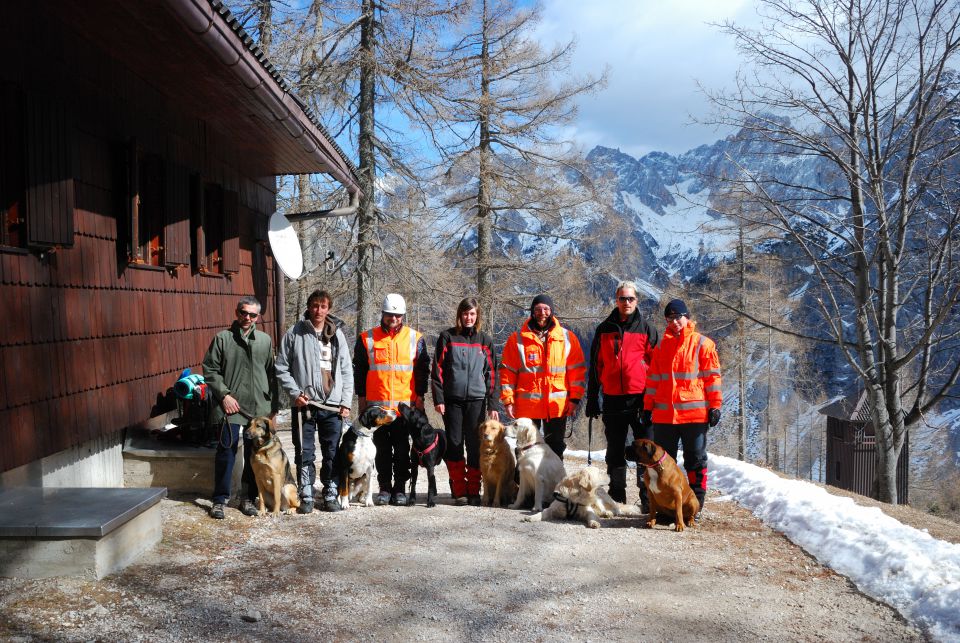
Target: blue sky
[{"x": 656, "y": 51}]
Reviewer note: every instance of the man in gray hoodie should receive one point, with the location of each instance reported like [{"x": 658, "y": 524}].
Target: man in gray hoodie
[{"x": 314, "y": 368}]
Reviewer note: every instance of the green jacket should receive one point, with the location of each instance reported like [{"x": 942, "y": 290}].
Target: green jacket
[{"x": 244, "y": 369}]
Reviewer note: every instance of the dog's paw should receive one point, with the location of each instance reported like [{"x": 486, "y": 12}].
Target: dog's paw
[
  {"x": 651, "y": 524},
  {"x": 431, "y": 503},
  {"x": 528, "y": 518},
  {"x": 593, "y": 524}
]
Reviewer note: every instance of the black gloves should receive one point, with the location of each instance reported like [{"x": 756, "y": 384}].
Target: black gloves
[
  {"x": 646, "y": 418},
  {"x": 713, "y": 417},
  {"x": 593, "y": 408}
]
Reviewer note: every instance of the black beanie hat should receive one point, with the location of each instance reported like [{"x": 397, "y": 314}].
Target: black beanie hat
[
  {"x": 676, "y": 307},
  {"x": 542, "y": 299}
]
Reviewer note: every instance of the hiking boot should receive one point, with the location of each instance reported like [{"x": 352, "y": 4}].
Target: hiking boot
[
  {"x": 399, "y": 499},
  {"x": 460, "y": 501},
  {"x": 699, "y": 516},
  {"x": 382, "y": 498},
  {"x": 247, "y": 508},
  {"x": 216, "y": 511},
  {"x": 473, "y": 501},
  {"x": 306, "y": 506},
  {"x": 331, "y": 504}
]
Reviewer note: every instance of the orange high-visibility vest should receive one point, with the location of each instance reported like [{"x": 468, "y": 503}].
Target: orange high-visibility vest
[
  {"x": 536, "y": 378},
  {"x": 390, "y": 359},
  {"x": 683, "y": 382}
]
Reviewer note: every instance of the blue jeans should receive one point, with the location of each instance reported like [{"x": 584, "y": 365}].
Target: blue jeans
[
  {"x": 309, "y": 427},
  {"x": 223, "y": 461}
]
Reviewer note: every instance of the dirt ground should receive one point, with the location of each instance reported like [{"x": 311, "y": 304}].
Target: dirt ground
[{"x": 458, "y": 573}]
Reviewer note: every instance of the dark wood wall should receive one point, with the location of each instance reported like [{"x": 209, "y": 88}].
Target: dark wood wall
[
  {"x": 851, "y": 459},
  {"x": 90, "y": 339}
]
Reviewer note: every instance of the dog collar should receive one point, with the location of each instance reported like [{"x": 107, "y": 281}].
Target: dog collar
[
  {"x": 569, "y": 505},
  {"x": 433, "y": 445},
  {"x": 529, "y": 446},
  {"x": 658, "y": 465}
]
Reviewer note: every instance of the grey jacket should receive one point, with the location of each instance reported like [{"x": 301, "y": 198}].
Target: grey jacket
[{"x": 296, "y": 363}]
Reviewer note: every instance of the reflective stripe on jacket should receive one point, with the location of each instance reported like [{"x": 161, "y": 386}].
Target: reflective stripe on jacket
[
  {"x": 536, "y": 378},
  {"x": 390, "y": 366},
  {"x": 464, "y": 367},
  {"x": 620, "y": 357},
  {"x": 683, "y": 382}
]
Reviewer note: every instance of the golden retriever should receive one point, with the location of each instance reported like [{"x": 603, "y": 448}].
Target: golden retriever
[
  {"x": 497, "y": 465},
  {"x": 540, "y": 468},
  {"x": 582, "y": 496}
]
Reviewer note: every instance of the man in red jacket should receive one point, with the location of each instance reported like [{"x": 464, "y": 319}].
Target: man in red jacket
[
  {"x": 619, "y": 359},
  {"x": 683, "y": 393}
]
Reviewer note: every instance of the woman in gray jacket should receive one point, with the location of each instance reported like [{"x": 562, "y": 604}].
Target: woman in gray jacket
[{"x": 314, "y": 368}]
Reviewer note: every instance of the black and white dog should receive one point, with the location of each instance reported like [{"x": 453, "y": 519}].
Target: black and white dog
[
  {"x": 356, "y": 456},
  {"x": 428, "y": 445}
]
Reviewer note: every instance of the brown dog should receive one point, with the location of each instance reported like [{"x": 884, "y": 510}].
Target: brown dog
[
  {"x": 667, "y": 487},
  {"x": 276, "y": 486},
  {"x": 497, "y": 465}
]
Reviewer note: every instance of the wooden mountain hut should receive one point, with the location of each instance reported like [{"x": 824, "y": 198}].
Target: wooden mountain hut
[
  {"x": 851, "y": 449},
  {"x": 139, "y": 148}
]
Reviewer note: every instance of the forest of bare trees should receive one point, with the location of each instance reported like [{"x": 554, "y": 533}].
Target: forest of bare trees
[{"x": 453, "y": 111}]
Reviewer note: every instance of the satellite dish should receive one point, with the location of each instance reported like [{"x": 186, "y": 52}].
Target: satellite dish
[{"x": 285, "y": 246}]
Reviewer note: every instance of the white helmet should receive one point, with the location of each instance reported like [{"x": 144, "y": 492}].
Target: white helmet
[{"x": 394, "y": 303}]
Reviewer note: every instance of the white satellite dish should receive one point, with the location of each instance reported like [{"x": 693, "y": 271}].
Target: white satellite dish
[{"x": 285, "y": 246}]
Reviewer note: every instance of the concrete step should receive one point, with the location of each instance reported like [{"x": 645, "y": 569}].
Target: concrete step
[{"x": 76, "y": 531}]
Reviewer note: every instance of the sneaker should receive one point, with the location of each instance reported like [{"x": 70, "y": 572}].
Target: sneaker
[
  {"x": 399, "y": 499},
  {"x": 247, "y": 508},
  {"x": 382, "y": 498},
  {"x": 332, "y": 504},
  {"x": 216, "y": 511},
  {"x": 306, "y": 506},
  {"x": 473, "y": 501}
]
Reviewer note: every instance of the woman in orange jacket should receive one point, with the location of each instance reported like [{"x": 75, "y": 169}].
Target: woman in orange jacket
[
  {"x": 543, "y": 374},
  {"x": 683, "y": 395}
]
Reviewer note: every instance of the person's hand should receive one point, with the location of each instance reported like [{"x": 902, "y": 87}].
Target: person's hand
[
  {"x": 593, "y": 408},
  {"x": 646, "y": 418},
  {"x": 713, "y": 417},
  {"x": 344, "y": 411},
  {"x": 440, "y": 408},
  {"x": 570, "y": 407},
  {"x": 494, "y": 415},
  {"x": 229, "y": 405},
  {"x": 301, "y": 401},
  {"x": 417, "y": 402},
  {"x": 509, "y": 409}
]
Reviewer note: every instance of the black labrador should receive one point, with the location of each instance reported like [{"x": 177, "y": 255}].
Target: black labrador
[{"x": 426, "y": 450}]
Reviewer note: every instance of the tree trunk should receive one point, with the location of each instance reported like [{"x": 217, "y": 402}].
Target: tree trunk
[
  {"x": 742, "y": 357},
  {"x": 366, "y": 223},
  {"x": 484, "y": 224}
]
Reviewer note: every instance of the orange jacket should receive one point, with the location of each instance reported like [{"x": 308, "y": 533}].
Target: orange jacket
[
  {"x": 536, "y": 378},
  {"x": 683, "y": 382},
  {"x": 391, "y": 359}
]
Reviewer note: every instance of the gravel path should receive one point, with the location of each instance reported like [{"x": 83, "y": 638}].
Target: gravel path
[{"x": 453, "y": 573}]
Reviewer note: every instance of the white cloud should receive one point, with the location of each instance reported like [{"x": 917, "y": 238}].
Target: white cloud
[{"x": 656, "y": 52}]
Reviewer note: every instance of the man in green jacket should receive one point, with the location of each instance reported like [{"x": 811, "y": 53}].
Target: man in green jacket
[{"x": 239, "y": 370}]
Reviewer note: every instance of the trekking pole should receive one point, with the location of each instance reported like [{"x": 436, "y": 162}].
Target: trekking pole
[{"x": 589, "y": 440}]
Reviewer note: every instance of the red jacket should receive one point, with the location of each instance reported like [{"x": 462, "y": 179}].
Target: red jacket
[
  {"x": 619, "y": 359},
  {"x": 684, "y": 378}
]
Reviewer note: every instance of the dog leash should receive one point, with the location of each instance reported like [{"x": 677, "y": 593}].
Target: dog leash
[{"x": 589, "y": 440}]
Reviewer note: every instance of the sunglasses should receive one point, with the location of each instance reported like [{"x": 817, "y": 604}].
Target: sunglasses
[
  {"x": 674, "y": 317},
  {"x": 398, "y": 315},
  {"x": 628, "y": 300},
  {"x": 247, "y": 313}
]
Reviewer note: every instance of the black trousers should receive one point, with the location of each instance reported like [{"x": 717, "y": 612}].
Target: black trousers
[
  {"x": 616, "y": 426},
  {"x": 393, "y": 452},
  {"x": 461, "y": 420},
  {"x": 554, "y": 434},
  {"x": 694, "y": 440},
  {"x": 309, "y": 427}
]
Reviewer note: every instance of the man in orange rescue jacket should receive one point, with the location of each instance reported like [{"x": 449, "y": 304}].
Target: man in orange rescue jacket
[
  {"x": 391, "y": 365},
  {"x": 683, "y": 394},
  {"x": 543, "y": 373}
]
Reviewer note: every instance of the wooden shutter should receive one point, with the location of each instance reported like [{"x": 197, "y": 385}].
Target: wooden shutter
[
  {"x": 231, "y": 232},
  {"x": 176, "y": 215},
  {"x": 48, "y": 134}
]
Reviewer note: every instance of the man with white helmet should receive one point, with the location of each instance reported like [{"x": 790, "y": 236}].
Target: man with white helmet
[{"x": 391, "y": 365}]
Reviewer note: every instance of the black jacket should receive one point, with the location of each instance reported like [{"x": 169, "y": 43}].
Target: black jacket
[{"x": 464, "y": 367}]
